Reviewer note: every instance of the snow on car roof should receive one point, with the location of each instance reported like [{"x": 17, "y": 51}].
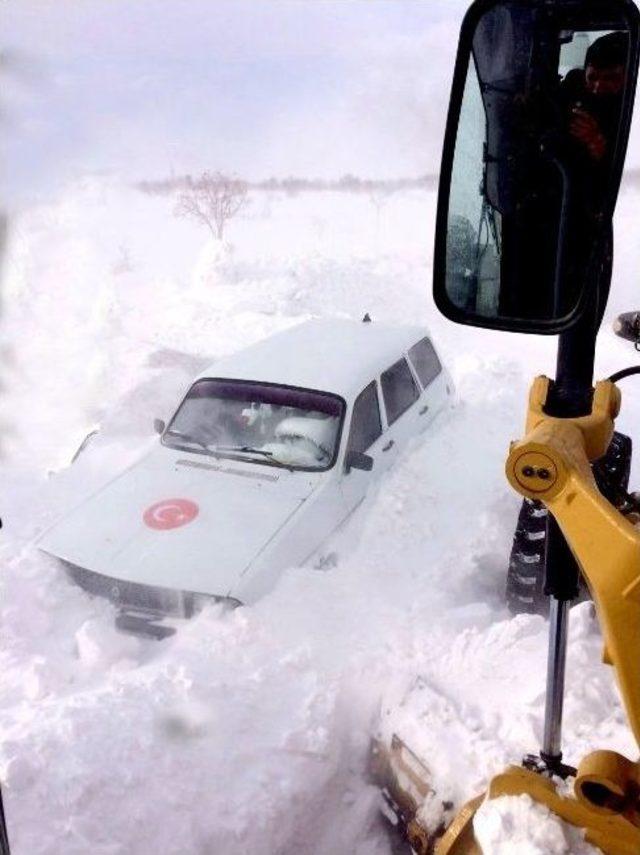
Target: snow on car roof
[{"x": 330, "y": 355}]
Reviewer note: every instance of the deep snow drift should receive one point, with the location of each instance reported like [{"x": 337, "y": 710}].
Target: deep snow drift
[{"x": 249, "y": 731}]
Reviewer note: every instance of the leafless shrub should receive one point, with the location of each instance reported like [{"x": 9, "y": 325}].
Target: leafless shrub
[
  {"x": 123, "y": 263},
  {"x": 379, "y": 194},
  {"x": 212, "y": 199}
]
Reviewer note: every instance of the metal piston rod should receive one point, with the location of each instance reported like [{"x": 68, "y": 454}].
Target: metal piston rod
[
  {"x": 561, "y": 584},
  {"x": 558, "y": 631}
]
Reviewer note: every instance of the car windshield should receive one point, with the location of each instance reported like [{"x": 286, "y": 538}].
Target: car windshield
[{"x": 263, "y": 423}]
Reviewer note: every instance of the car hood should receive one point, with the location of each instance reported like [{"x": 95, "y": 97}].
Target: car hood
[{"x": 180, "y": 520}]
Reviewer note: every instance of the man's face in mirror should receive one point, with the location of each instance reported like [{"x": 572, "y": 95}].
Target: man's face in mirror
[
  {"x": 604, "y": 81},
  {"x": 595, "y": 95}
]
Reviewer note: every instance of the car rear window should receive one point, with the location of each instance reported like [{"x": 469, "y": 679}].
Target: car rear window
[
  {"x": 425, "y": 361},
  {"x": 399, "y": 389},
  {"x": 366, "y": 425}
]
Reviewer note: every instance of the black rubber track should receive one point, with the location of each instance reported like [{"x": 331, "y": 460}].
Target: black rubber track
[{"x": 525, "y": 576}]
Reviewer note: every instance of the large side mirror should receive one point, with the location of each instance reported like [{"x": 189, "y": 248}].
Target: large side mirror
[
  {"x": 535, "y": 144},
  {"x": 357, "y": 460}
]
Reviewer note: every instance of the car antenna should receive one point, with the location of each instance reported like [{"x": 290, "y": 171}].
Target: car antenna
[{"x": 366, "y": 319}]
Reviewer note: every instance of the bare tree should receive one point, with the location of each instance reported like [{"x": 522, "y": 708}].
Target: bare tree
[
  {"x": 212, "y": 199},
  {"x": 379, "y": 196}
]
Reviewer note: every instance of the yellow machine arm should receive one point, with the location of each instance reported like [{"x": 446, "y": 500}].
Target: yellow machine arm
[{"x": 552, "y": 464}]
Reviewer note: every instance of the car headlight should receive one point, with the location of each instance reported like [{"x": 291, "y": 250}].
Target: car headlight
[{"x": 195, "y": 603}]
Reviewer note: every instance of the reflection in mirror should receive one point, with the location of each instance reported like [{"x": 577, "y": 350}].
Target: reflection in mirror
[
  {"x": 536, "y": 141},
  {"x": 474, "y": 229}
]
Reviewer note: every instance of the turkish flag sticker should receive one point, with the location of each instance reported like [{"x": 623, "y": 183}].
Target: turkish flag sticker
[{"x": 170, "y": 513}]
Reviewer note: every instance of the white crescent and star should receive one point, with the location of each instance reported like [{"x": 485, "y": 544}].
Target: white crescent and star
[{"x": 170, "y": 513}]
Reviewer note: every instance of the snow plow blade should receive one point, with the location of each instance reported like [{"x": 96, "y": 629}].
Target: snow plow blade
[
  {"x": 604, "y": 804},
  {"x": 405, "y": 784}
]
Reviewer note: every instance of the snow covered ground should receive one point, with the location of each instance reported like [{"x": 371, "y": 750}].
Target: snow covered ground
[{"x": 249, "y": 731}]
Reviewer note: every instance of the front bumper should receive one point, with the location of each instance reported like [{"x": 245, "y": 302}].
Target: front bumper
[{"x": 141, "y": 607}]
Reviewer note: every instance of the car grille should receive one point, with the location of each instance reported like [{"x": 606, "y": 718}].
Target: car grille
[{"x": 131, "y": 595}]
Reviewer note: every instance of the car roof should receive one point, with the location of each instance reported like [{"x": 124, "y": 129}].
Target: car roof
[{"x": 329, "y": 354}]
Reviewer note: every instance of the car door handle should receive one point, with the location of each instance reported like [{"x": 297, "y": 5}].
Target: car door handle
[
  {"x": 388, "y": 446},
  {"x": 423, "y": 410}
]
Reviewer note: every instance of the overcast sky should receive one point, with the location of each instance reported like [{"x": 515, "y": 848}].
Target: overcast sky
[{"x": 258, "y": 87}]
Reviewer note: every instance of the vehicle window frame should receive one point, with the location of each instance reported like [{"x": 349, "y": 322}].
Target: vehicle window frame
[
  {"x": 416, "y": 385},
  {"x": 373, "y": 383},
  {"x": 423, "y": 385},
  {"x": 261, "y": 461}
]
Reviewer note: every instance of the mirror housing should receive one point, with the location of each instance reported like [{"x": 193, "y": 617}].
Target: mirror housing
[
  {"x": 358, "y": 460},
  {"x": 159, "y": 425},
  {"x": 534, "y": 149},
  {"x": 627, "y": 326}
]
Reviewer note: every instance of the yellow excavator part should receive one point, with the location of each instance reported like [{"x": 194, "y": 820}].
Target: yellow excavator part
[
  {"x": 552, "y": 464},
  {"x": 604, "y": 827},
  {"x": 405, "y": 782},
  {"x": 605, "y": 803}
]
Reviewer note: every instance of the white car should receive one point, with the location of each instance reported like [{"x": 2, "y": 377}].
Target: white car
[{"x": 270, "y": 451}]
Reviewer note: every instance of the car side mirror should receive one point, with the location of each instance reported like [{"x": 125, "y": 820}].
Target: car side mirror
[
  {"x": 535, "y": 144},
  {"x": 358, "y": 460},
  {"x": 159, "y": 425}
]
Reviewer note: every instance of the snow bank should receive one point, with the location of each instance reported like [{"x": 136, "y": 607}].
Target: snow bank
[{"x": 516, "y": 825}]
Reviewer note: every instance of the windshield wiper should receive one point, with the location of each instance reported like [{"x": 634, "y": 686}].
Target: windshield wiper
[{"x": 248, "y": 449}]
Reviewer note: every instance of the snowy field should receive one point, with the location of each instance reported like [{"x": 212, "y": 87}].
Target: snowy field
[{"x": 249, "y": 731}]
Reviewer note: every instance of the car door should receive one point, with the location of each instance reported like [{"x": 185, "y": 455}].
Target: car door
[
  {"x": 434, "y": 381},
  {"x": 366, "y": 435},
  {"x": 401, "y": 396}
]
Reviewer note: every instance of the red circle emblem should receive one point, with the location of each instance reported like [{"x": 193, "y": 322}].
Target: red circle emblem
[{"x": 170, "y": 513}]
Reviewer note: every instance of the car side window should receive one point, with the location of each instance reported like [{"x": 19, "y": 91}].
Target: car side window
[
  {"x": 425, "y": 361},
  {"x": 399, "y": 389},
  {"x": 366, "y": 425}
]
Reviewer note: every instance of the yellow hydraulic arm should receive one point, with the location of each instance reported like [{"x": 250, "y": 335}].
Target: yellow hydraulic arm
[{"x": 552, "y": 464}]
